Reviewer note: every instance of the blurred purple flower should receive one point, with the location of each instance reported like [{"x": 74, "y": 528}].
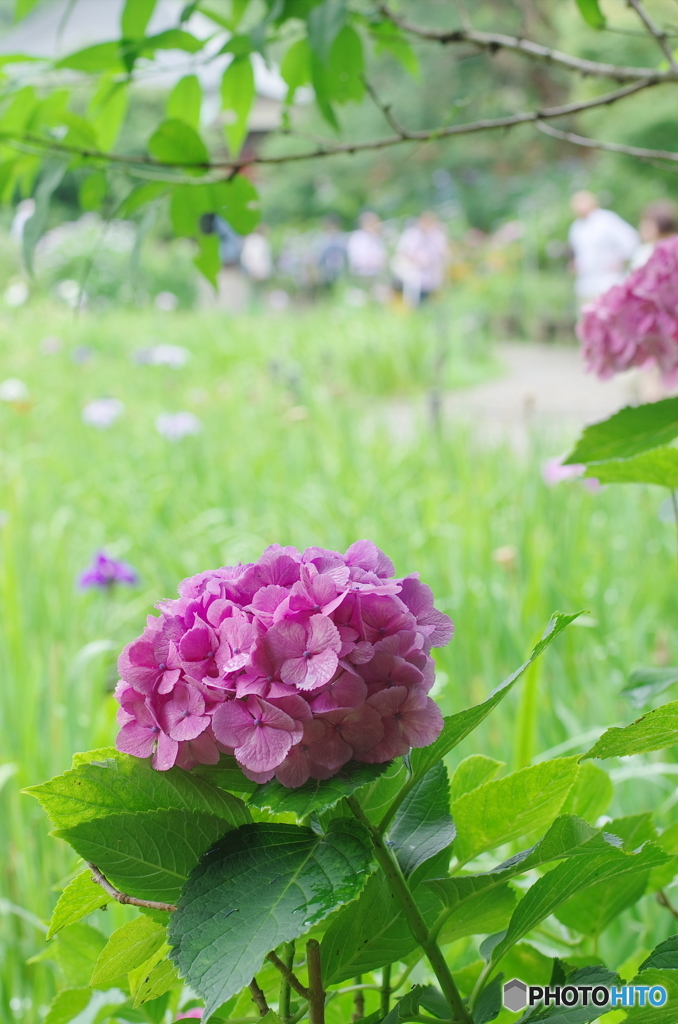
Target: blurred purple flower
[
  {"x": 104, "y": 572},
  {"x": 554, "y": 472},
  {"x": 175, "y": 425}
]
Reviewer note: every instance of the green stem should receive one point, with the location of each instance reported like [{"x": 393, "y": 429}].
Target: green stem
[
  {"x": 258, "y": 998},
  {"x": 385, "y": 989},
  {"x": 418, "y": 926},
  {"x": 316, "y": 992},
  {"x": 358, "y": 999},
  {"x": 284, "y": 996}
]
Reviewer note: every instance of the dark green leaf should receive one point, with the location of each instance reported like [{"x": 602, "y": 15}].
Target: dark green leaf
[
  {"x": 100, "y": 57},
  {"x": 663, "y": 957},
  {"x": 654, "y": 731},
  {"x": 226, "y": 775},
  {"x": 79, "y": 898},
  {"x": 432, "y": 1000},
  {"x": 148, "y": 855},
  {"x": 263, "y": 885},
  {"x": 591, "y": 794},
  {"x": 136, "y": 15},
  {"x": 119, "y": 782},
  {"x": 317, "y": 795},
  {"x": 504, "y": 809},
  {"x": 591, "y": 13},
  {"x": 184, "y": 103},
  {"x": 656, "y": 467},
  {"x": 67, "y": 1005},
  {"x": 629, "y": 432},
  {"x": 405, "y": 1007},
  {"x": 207, "y": 259},
  {"x": 490, "y": 1001},
  {"x": 574, "y": 875},
  {"x": 325, "y": 22},
  {"x": 647, "y": 683},
  {"x": 176, "y": 143},
  {"x": 471, "y": 773},
  {"x": 237, "y": 95},
  {"x": 377, "y": 797},
  {"x": 423, "y": 825},
  {"x": 129, "y": 946},
  {"x": 458, "y": 727}
]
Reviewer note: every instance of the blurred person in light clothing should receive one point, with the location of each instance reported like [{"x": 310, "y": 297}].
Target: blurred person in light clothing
[
  {"x": 657, "y": 222},
  {"x": 256, "y": 258},
  {"x": 366, "y": 249},
  {"x": 421, "y": 259},
  {"x": 602, "y": 244}
]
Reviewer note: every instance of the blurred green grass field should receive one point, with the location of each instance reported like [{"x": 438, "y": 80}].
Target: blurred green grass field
[{"x": 291, "y": 451}]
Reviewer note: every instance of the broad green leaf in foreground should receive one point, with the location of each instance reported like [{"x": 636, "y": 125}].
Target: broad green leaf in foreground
[
  {"x": 75, "y": 950},
  {"x": 262, "y": 885},
  {"x": 423, "y": 825},
  {"x": 150, "y": 854},
  {"x": 471, "y": 773},
  {"x": 591, "y": 794},
  {"x": 129, "y": 946},
  {"x": 176, "y": 143},
  {"x": 153, "y": 978},
  {"x": 80, "y": 897},
  {"x": 570, "y": 877},
  {"x": 473, "y": 905},
  {"x": 112, "y": 782},
  {"x": 656, "y": 467},
  {"x": 654, "y": 731},
  {"x": 458, "y": 726},
  {"x": 646, "y": 683},
  {"x": 405, "y": 1008},
  {"x": 505, "y": 809},
  {"x": 316, "y": 795},
  {"x": 629, "y": 432}
]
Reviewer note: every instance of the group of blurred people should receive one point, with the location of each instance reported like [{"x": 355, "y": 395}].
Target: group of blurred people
[
  {"x": 605, "y": 247},
  {"x": 412, "y": 264}
]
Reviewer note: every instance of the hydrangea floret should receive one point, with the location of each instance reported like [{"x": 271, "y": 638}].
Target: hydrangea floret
[
  {"x": 635, "y": 324},
  {"x": 296, "y": 664}
]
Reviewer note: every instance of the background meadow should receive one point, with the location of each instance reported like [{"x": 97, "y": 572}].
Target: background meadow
[{"x": 295, "y": 448}]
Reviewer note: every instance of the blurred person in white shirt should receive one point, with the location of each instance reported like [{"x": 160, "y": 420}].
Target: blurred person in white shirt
[
  {"x": 366, "y": 249},
  {"x": 421, "y": 258},
  {"x": 602, "y": 244}
]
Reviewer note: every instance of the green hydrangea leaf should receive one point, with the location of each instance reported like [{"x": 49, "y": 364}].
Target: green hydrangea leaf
[
  {"x": 263, "y": 885},
  {"x": 629, "y": 432},
  {"x": 316, "y": 795},
  {"x": 129, "y": 946},
  {"x": 654, "y": 731},
  {"x": 80, "y": 897},
  {"x": 66, "y": 1005}
]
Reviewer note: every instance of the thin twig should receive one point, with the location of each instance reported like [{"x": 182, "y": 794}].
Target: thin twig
[
  {"x": 385, "y": 109},
  {"x": 494, "y": 41},
  {"x": 655, "y": 31},
  {"x": 142, "y": 162},
  {"x": 609, "y": 147},
  {"x": 663, "y": 901},
  {"x": 288, "y": 975},
  {"x": 258, "y": 998},
  {"x": 358, "y": 998},
  {"x": 123, "y": 897}
]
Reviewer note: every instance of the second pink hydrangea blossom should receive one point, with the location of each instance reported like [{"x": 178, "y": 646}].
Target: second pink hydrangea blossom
[{"x": 296, "y": 664}]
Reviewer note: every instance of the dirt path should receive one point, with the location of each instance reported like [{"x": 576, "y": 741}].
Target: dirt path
[{"x": 543, "y": 388}]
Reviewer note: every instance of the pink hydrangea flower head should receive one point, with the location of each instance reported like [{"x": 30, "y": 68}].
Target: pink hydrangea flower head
[
  {"x": 635, "y": 324},
  {"x": 296, "y": 664}
]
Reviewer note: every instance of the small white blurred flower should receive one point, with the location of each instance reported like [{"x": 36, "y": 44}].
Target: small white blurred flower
[
  {"x": 13, "y": 390},
  {"x": 16, "y": 294},
  {"x": 168, "y": 355},
  {"x": 69, "y": 292},
  {"x": 175, "y": 425},
  {"x": 102, "y": 412},
  {"x": 166, "y": 301},
  {"x": 278, "y": 299},
  {"x": 51, "y": 345}
]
